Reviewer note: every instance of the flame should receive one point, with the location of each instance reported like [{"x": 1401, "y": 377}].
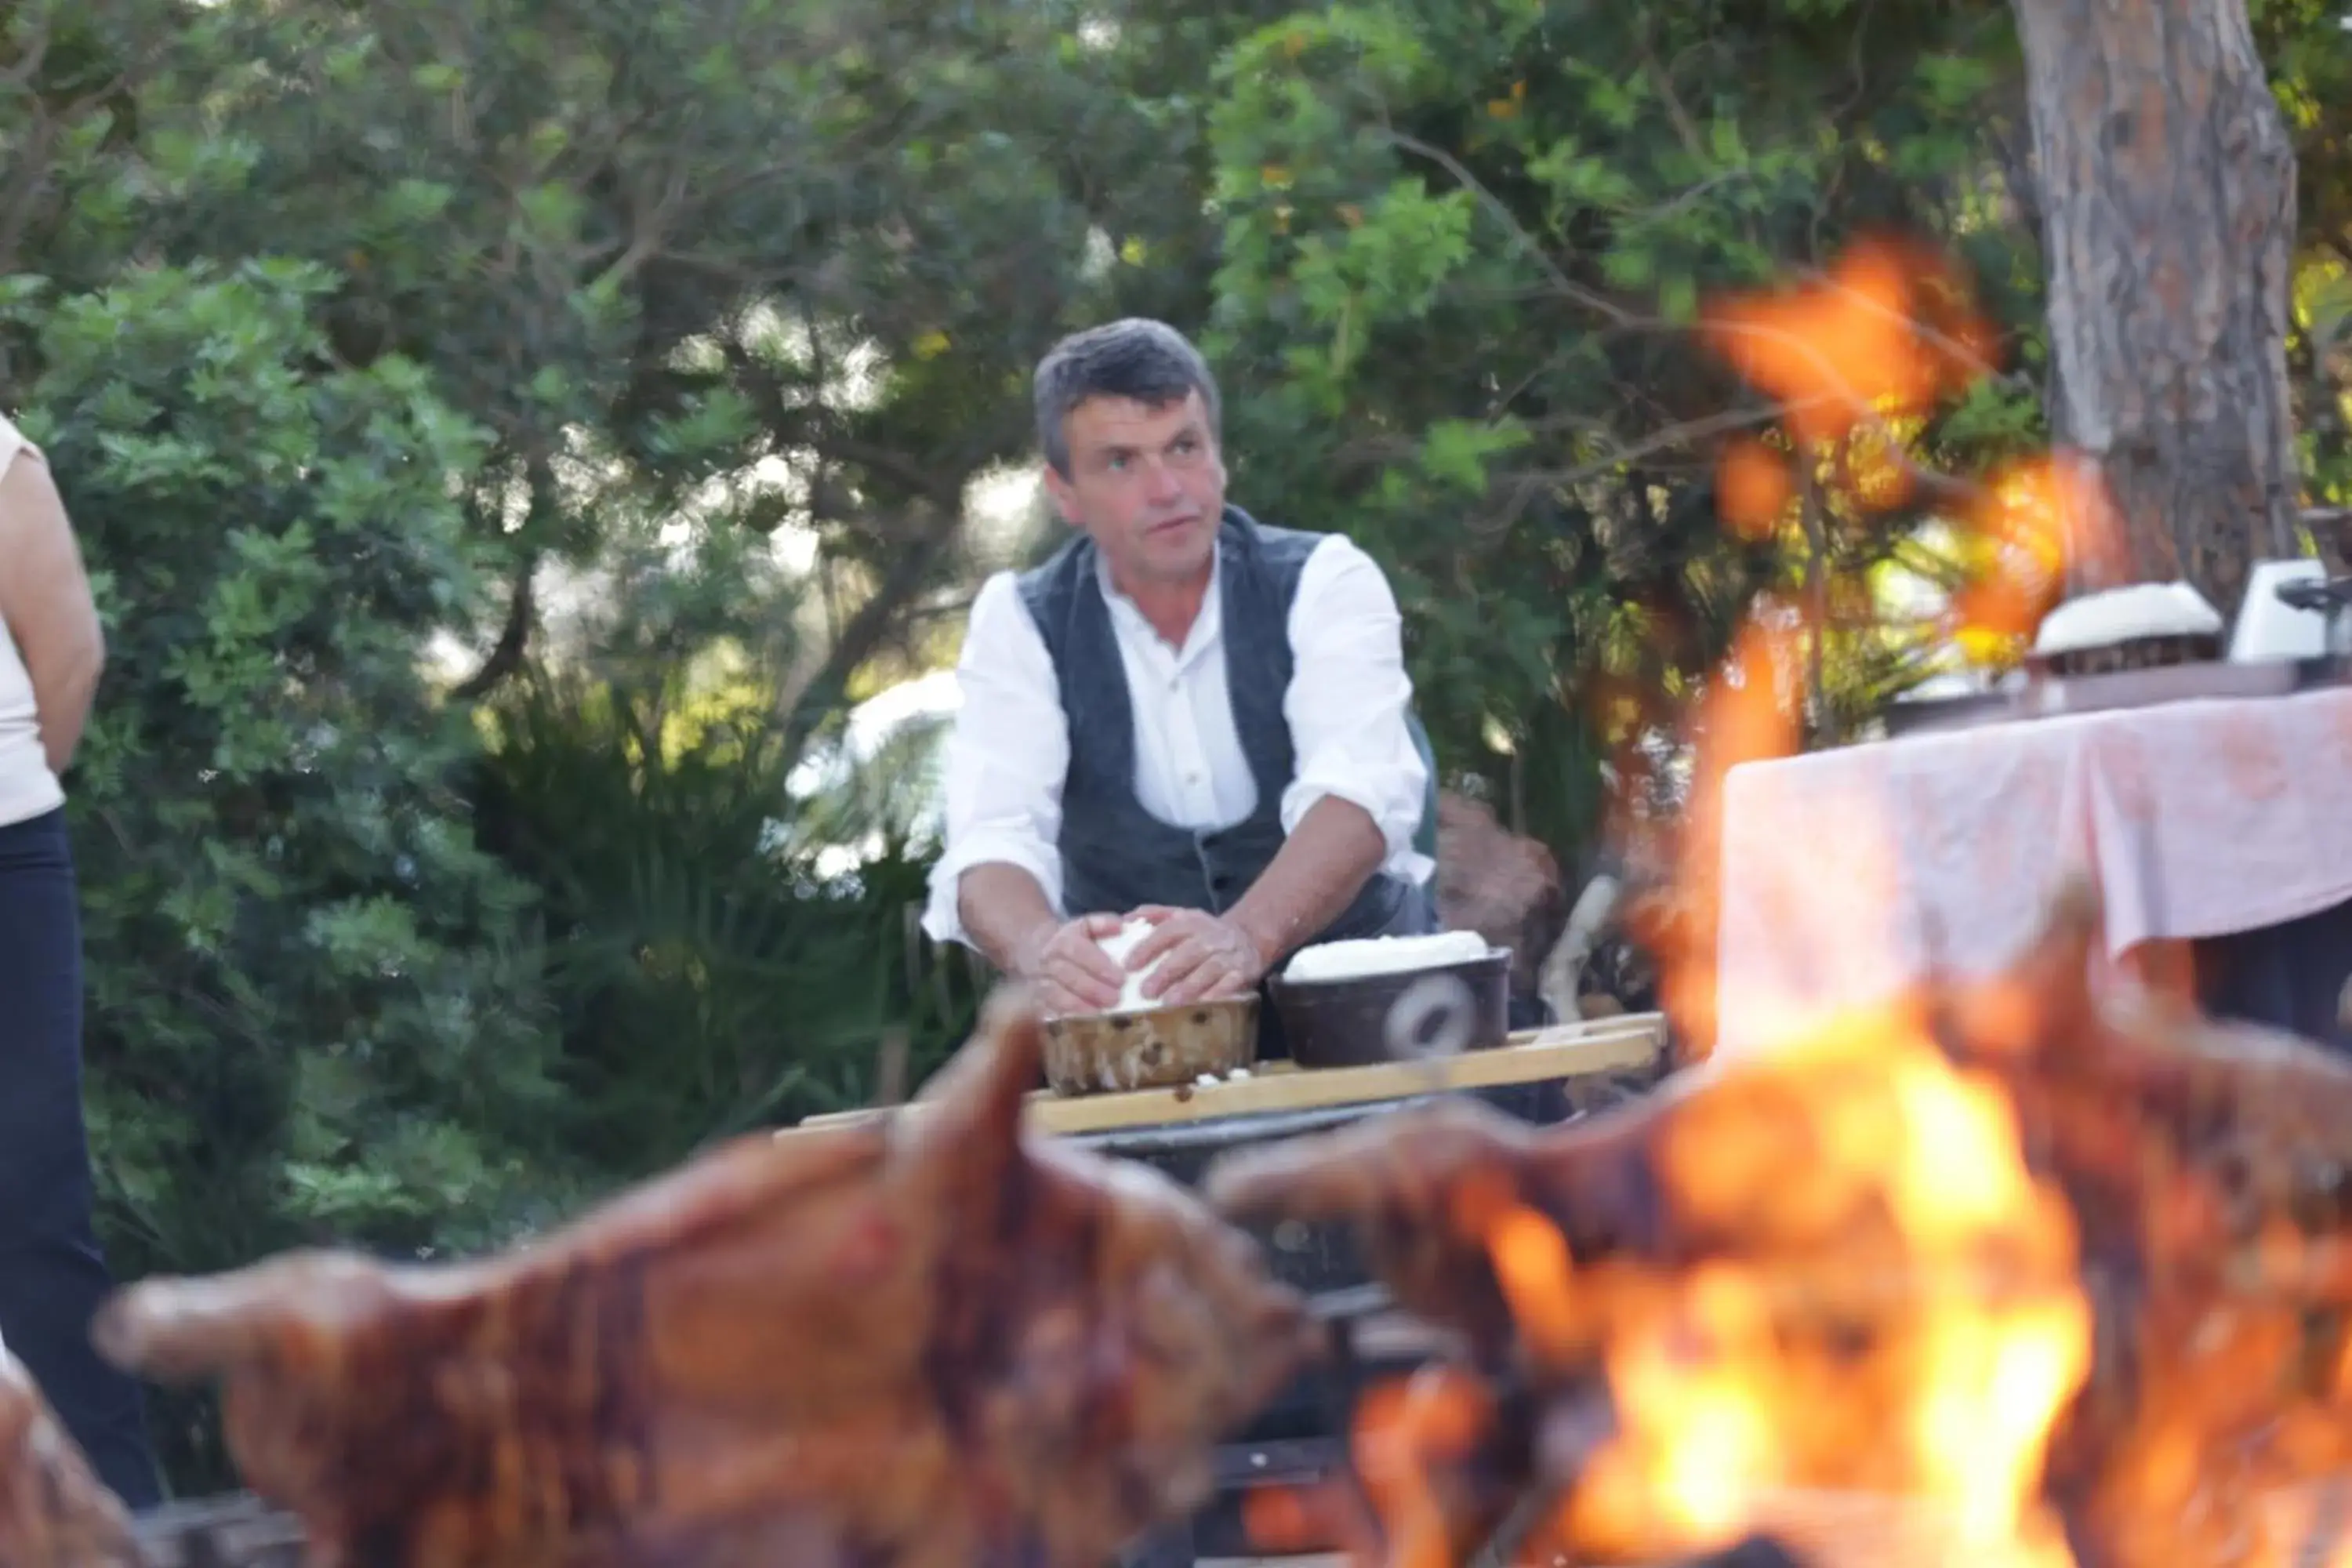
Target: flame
[
  {"x": 1740, "y": 717},
  {"x": 1888, "y": 330},
  {"x": 1753, "y": 488},
  {"x": 1855, "y": 359},
  {"x": 1877, "y": 1327},
  {"x": 1872, "y": 1184},
  {"x": 1534, "y": 1268},
  {"x": 2038, "y": 522},
  {"x": 1902, "y": 1322},
  {"x": 1900, "y": 1319},
  {"x": 1408, "y": 1434},
  {"x": 1870, "y": 1329}
]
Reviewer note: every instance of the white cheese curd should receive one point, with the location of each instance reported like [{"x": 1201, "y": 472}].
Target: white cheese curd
[
  {"x": 1384, "y": 955},
  {"x": 1132, "y": 998},
  {"x": 2126, "y": 614}
]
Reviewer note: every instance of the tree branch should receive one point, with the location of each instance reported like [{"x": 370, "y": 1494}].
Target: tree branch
[
  {"x": 1663, "y": 86},
  {"x": 506, "y": 655},
  {"x": 34, "y": 164}
]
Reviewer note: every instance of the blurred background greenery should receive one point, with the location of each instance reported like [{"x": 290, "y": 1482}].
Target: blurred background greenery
[{"x": 535, "y": 457}]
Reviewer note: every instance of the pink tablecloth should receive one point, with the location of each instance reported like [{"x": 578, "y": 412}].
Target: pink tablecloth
[{"x": 1843, "y": 869}]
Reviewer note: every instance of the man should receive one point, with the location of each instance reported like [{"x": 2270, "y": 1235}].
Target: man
[{"x": 1184, "y": 716}]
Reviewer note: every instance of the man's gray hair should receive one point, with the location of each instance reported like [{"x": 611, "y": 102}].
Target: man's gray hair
[{"x": 1149, "y": 362}]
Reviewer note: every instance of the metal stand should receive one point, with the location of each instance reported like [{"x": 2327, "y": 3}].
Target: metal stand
[
  {"x": 1302, "y": 1438},
  {"x": 238, "y": 1531}
]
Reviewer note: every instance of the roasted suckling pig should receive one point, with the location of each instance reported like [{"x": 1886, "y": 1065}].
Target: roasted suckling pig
[
  {"x": 923, "y": 1342},
  {"x": 54, "y": 1510},
  {"x": 2000, "y": 1273}
]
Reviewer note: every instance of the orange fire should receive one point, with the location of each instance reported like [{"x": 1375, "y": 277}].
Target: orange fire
[
  {"x": 1741, "y": 715},
  {"x": 1877, "y": 1325},
  {"x": 2037, "y": 521},
  {"x": 1853, "y": 360},
  {"x": 1889, "y": 330},
  {"x": 1871, "y": 1343},
  {"x": 1898, "y": 1329},
  {"x": 1992, "y": 1275},
  {"x": 1753, "y": 491}
]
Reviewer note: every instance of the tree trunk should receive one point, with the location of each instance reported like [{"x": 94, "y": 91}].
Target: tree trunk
[{"x": 2166, "y": 186}]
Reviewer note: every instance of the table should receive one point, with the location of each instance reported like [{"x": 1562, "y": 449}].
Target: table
[
  {"x": 1625, "y": 1042},
  {"x": 1846, "y": 873}
]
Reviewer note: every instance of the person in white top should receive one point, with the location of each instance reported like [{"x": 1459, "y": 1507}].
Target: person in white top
[
  {"x": 52, "y": 1274},
  {"x": 1185, "y": 717}
]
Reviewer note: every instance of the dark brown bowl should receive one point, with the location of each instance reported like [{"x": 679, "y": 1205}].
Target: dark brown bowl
[
  {"x": 1416, "y": 1013},
  {"x": 2134, "y": 653}
]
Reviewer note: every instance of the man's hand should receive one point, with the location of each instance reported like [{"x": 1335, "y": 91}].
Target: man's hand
[
  {"x": 1207, "y": 958},
  {"x": 1067, "y": 965}
]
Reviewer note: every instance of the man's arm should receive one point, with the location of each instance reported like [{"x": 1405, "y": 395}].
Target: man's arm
[
  {"x": 1006, "y": 916},
  {"x": 1323, "y": 865},
  {"x": 1004, "y": 913},
  {"x": 1355, "y": 804},
  {"x": 46, "y": 604},
  {"x": 996, "y": 886},
  {"x": 1319, "y": 869},
  {"x": 1348, "y": 700}
]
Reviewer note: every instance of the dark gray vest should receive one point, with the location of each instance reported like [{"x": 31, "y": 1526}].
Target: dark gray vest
[{"x": 1116, "y": 856}]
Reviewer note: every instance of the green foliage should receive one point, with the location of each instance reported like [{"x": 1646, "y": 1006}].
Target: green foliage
[
  {"x": 1463, "y": 255},
  {"x": 265, "y": 803},
  {"x": 311, "y": 1011},
  {"x": 646, "y": 790},
  {"x": 674, "y": 913},
  {"x": 375, "y": 338}
]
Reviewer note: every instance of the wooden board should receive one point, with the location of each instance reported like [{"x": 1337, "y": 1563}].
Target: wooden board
[{"x": 1564, "y": 1050}]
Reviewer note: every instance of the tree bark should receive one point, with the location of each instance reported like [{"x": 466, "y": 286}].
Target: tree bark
[{"x": 2166, "y": 186}]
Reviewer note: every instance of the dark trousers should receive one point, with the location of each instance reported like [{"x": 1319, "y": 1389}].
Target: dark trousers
[
  {"x": 2291, "y": 977},
  {"x": 52, "y": 1275}
]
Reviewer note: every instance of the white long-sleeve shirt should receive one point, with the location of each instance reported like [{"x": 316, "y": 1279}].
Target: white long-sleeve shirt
[{"x": 1346, "y": 707}]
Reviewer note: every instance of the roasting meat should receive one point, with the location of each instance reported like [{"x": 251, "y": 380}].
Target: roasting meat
[
  {"x": 923, "y": 1342},
  {"x": 54, "y": 1510},
  {"x": 2069, "y": 1277}
]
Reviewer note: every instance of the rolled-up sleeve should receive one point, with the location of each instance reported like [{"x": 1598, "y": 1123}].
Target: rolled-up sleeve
[
  {"x": 1348, "y": 700},
  {"x": 1006, "y": 758}
]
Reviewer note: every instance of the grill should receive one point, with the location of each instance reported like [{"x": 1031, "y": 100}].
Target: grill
[{"x": 1302, "y": 1436}]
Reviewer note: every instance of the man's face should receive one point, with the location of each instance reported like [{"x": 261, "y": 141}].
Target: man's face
[{"x": 1146, "y": 483}]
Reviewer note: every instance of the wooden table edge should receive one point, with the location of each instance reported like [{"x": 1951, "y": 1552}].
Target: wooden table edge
[{"x": 1601, "y": 1045}]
